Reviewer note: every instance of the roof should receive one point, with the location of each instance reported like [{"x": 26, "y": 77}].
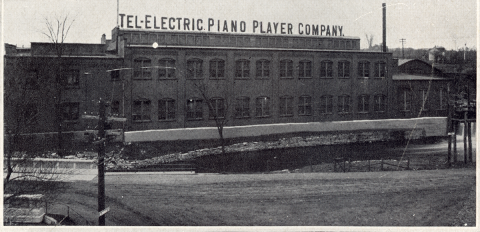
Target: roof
[
  {"x": 404, "y": 76},
  {"x": 403, "y": 61}
]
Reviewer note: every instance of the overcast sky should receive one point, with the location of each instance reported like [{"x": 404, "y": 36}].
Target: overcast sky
[{"x": 423, "y": 23}]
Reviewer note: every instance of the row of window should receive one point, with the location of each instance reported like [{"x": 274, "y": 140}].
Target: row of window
[
  {"x": 217, "y": 107},
  {"x": 167, "y": 69},
  {"x": 407, "y": 96}
]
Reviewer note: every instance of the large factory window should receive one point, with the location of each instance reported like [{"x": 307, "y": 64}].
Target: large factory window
[
  {"x": 142, "y": 68},
  {"x": 71, "y": 78},
  {"x": 363, "y": 69},
  {"x": 115, "y": 108},
  {"x": 263, "y": 68},
  {"x": 343, "y": 69},
  {"x": 344, "y": 102},
  {"x": 166, "y": 68},
  {"x": 69, "y": 111},
  {"x": 166, "y": 109},
  {"x": 286, "y": 106},
  {"x": 380, "y": 101},
  {"x": 326, "y": 69},
  {"x": 405, "y": 99},
  {"x": 305, "y": 105},
  {"x": 305, "y": 69},
  {"x": 242, "y": 107},
  {"x": 424, "y": 94},
  {"x": 363, "y": 106},
  {"x": 242, "y": 68},
  {"x": 141, "y": 110},
  {"x": 326, "y": 104},
  {"x": 380, "y": 69},
  {"x": 195, "y": 69},
  {"x": 217, "y": 108},
  {"x": 194, "y": 109},
  {"x": 286, "y": 68},
  {"x": 217, "y": 69},
  {"x": 262, "y": 105}
]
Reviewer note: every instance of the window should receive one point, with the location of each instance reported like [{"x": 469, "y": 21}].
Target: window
[
  {"x": 286, "y": 68},
  {"x": 142, "y": 68},
  {"x": 194, "y": 109},
  {"x": 343, "y": 69},
  {"x": 305, "y": 105},
  {"x": 166, "y": 68},
  {"x": 262, "y": 105},
  {"x": 405, "y": 100},
  {"x": 380, "y": 69},
  {"x": 141, "y": 110},
  {"x": 326, "y": 104},
  {"x": 217, "y": 108},
  {"x": 194, "y": 69},
  {"x": 115, "y": 108},
  {"x": 363, "y": 69},
  {"x": 363, "y": 101},
  {"x": 31, "y": 81},
  {"x": 442, "y": 98},
  {"x": 380, "y": 103},
  {"x": 115, "y": 75},
  {"x": 166, "y": 109},
  {"x": 305, "y": 69},
  {"x": 424, "y": 94},
  {"x": 326, "y": 69},
  {"x": 263, "y": 68},
  {"x": 217, "y": 68},
  {"x": 71, "y": 78},
  {"x": 344, "y": 102},
  {"x": 286, "y": 106},
  {"x": 242, "y": 68},
  {"x": 69, "y": 111},
  {"x": 242, "y": 107}
]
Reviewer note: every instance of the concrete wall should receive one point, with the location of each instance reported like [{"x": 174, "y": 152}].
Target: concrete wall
[{"x": 435, "y": 126}]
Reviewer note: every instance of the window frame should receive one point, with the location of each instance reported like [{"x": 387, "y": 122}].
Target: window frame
[
  {"x": 285, "y": 108},
  {"x": 378, "y": 69},
  {"x": 242, "y": 107},
  {"x": 242, "y": 69},
  {"x": 69, "y": 112},
  {"x": 286, "y": 69},
  {"x": 326, "y": 69},
  {"x": 342, "y": 71},
  {"x": 344, "y": 104},
  {"x": 262, "y": 69},
  {"x": 197, "y": 71},
  {"x": 363, "y": 104},
  {"x": 363, "y": 68},
  {"x": 305, "y": 67},
  {"x": 145, "y": 110},
  {"x": 217, "y": 69},
  {"x": 326, "y": 106},
  {"x": 406, "y": 100},
  {"x": 142, "y": 68},
  {"x": 166, "y": 109},
  {"x": 262, "y": 107},
  {"x": 380, "y": 103},
  {"x": 70, "y": 78},
  {"x": 424, "y": 103},
  {"x": 305, "y": 105},
  {"x": 196, "y": 112},
  {"x": 217, "y": 109},
  {"x": 168, "y": 69}
]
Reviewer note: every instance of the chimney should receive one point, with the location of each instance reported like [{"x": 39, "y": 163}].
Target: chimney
[
  {"x": 104, "y": 39},
  {"x": 384, "y": 7}
]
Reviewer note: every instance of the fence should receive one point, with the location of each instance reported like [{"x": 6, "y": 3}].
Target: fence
[{"x": 346, "y": 165}]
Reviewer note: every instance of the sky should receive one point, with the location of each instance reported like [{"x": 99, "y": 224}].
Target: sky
[{"x": 422, "y": 23}]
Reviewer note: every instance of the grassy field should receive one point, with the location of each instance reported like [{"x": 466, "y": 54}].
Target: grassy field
[{"x": 404, "y": 198}]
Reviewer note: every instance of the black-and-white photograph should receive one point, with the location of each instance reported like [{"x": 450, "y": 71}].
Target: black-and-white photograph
[{"x": 239, "y": 115}]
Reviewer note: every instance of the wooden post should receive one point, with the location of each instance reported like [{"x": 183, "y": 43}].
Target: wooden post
[
  {"x": 101, "y": 165},
  {"x": 465, "y": 148},
  {"x": 455, "y": 142},
  {"x": 449, "y": 155},
  {"x": 470, "y": 158}
]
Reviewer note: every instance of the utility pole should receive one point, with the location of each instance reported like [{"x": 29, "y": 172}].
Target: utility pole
[
  {"x": 101, "y": 162},
  {"x": 403, "y": 51}
]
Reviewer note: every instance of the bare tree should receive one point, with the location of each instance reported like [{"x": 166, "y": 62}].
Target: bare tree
[{"x": 369, "y": 40}]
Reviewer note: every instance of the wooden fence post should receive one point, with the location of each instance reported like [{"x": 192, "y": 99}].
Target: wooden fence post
[
  {"x": 455, "y": 142},
  {"x": 465, "y": 128},
  {"x": 381, "y": 166}
]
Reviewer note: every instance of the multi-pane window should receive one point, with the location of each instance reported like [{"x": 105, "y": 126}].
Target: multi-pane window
[
  {"x": 305, "y": 69},
  {"x": 326, "y": 104},
  {"x": 424, "y": 94},
  {"x": 217, "y": 68},
  {"x": 31, "y": 81},
  {"x": 71, "y": 78},
  {"x": 286, "y": 68},
  {"x": 363, "y": 69},
  {"x": 380, "y": 69},
  {"x": 305, "y": 105},
  {"x": 141, "y": 110},
  {"x": 442, "y": 98},
  {"x": 343, "y": 69},
  {"x": 69, "y": 111},
  {"x": 242, "y": 68},
  {"x": 194, "y": 109},
  {"x": 406, "y": 100},
  {"x": 217, "y": 108},
  {"x": 242, "y": 107},
  {"x": 326, "y": 69},
  {"x": 166, "y": 68},
  {"x": 380, "y": 103},
  {"x": 262, "y": 68},
  {"x": 286, "y": 106},
  {"x": 142, "y": 68},
  {"x": 262, "y": 107},
  {"x": 344, "y": 102},
  {"x": 115, "y": 108},
  {"x": 166, "y": 109},
  {"x": 195, "y": 69},
  {"x": 363, "y": 106}
]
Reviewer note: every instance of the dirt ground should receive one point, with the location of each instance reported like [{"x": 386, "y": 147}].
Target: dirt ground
[{"x": 390, "y": 198}]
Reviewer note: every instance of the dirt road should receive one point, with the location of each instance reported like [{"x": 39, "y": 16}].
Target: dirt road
[{"x": 404, "y": 198}]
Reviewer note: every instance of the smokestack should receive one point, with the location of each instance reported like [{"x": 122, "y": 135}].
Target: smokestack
[{"x": 384, "y": 7}]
